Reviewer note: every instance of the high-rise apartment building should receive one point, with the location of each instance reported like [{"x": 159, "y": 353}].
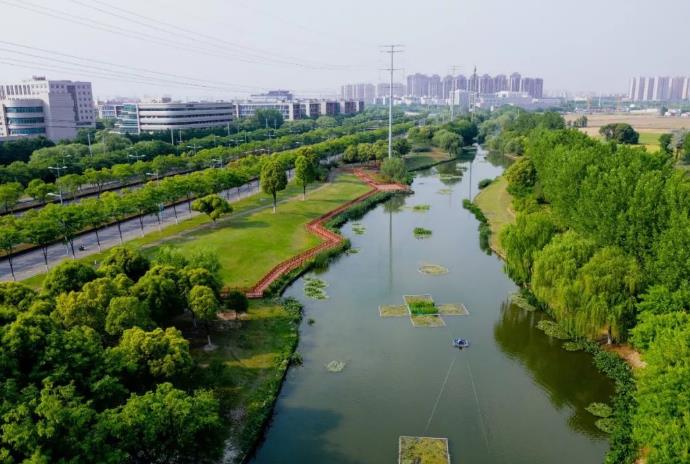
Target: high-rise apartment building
[
  {"x": 660, "y": 88},
  {"x": 383, "y": 90},
  {"x": 500, "y": 83},
  {"x": 515, "y": 80},
  {"x": 364, "y": 91},
  {"x": 55, "y": 109}
]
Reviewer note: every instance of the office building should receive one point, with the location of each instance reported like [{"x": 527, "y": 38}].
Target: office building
[
  {"x": 109, "y": 110},
  {"x": 272, "y": 95},
  {"x": 55, "y": 109},
  {"x": 136, "y": 118}
]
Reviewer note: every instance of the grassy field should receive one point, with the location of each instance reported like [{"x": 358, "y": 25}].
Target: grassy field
[
  {"x": 415, "y": 161},
  {"x": 248, "y": 246},
  {"x": 495, "y": 203},
  {"x": 650, "y": 140},
  {"x": 187, "y": 230},
  {"x": 641, "y": 123}
]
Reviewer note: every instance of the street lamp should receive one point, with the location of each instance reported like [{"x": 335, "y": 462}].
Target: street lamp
[{"x": 58, "y": 195}]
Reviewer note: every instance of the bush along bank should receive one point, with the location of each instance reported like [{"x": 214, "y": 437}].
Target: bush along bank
[{"x": 484, "y": 228}]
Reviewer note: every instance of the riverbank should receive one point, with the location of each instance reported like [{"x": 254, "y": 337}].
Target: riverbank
[
  {"x": 616, "y": 361},
  {"x": 496, "y": 204}
]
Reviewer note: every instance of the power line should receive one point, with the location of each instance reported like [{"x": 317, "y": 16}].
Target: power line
[
  {"x": 121, "y": 31},
  {"x": 391, "y": 50},
  {"x": 194, "y": 34}
]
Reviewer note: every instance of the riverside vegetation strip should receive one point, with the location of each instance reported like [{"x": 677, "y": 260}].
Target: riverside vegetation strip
[{"x": 597, "y": 239}]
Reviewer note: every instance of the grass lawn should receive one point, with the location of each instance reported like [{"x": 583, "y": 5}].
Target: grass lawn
[
  {"x": 650, "y": 140},
  {"x": 422, "y": 160},
  {"x": 250, "y": 245},
  {"x": 495, "y": 203},
  {"x": 243, "y": 211},
  {"x": 246, "y": 369}
]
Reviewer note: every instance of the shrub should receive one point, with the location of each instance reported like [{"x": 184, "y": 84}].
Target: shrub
[
  {"x": 485, "y": 183},
  {"x": 237, "y": 300}
]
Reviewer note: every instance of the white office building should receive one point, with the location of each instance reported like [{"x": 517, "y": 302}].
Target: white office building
[
  {"x": 136, "y": 118},
  {"x": 55, "y": 109}
]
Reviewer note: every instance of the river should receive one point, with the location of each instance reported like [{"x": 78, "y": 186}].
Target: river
[{"x": 513, "y": 397}]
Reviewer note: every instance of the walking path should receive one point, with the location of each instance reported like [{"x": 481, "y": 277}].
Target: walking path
[{"x": 317, "y": 227}]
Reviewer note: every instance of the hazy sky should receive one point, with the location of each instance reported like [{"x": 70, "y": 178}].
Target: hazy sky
[{"x": 224, "y": 48}]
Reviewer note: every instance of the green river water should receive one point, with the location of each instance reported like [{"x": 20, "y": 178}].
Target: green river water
[{"x": 513, "y": 397}]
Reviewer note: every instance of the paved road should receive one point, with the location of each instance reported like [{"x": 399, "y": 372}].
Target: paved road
[{"x": 31, "y": 263}]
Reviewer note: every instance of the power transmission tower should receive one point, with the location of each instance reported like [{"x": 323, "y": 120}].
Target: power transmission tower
[
  {"x": 391, "y": 50},
  {"x": 453, "y": 70}
]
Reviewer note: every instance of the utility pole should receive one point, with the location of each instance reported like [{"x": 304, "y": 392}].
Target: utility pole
[
  {"x": 391, "y": 50},
  {"x": 172, "y": 136},
  {"x": 473, "y": 94},
  {"x": 453, "y": 70},
  {"x": 88, "y": 137}
]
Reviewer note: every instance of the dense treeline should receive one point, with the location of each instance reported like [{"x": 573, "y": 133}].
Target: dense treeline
[
  {"x": 43, "y": 227},
  {"x": 128, "y": 163},
  {"x": 93, "y": 370},
  {"x": 602, "y": 238}
]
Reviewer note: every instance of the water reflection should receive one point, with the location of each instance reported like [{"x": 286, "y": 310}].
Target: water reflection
[
  {"x": 498, "y": 159},
  {"x": 567, "y": 377}
]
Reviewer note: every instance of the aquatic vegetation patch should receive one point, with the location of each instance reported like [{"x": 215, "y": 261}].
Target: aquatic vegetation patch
[
  {"x": 423, "y": 450},
  {"x": 433, "y": 269},
  {"x": 552, "y": 329},
  {"x": 606, "y": 424},
  {"x": 520, "y": 300},
  {"x": 572, "y": 346},
  {"x": 427, "y": 320},
  {"x": 420, "y": 304},
  {"x": 315, "y": 288},
  {"x": 351, "y": 251},
  {"x": 484, "y": 228},
  {"x": 335, "y": 366},
  {"x": 393, "y": 311},
  {"x": 451, "y": 309},
  {"x": 358, "y": 228},
  {"x": 600, "y": 410},
  {"x": 421, "y": 232},
  {"x": 445, "y": 191},
  {"x": 421, "y": 208}
]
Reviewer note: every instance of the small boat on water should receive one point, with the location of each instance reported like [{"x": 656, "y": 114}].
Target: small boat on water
[{"x": 461, "y": 343}]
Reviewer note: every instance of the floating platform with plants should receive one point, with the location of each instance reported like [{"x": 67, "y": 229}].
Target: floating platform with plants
[
  {"x": 358, "y": 228},
  {"x": 431, "y": 320},
  {"x": 452, "y": 309},
  {"x": 433, "y": 269},
  {"x": 421, "y": 208},
  {"x": 393, "y": 311},
  {"x": 423, "y": 311},
  {"x": 423, "y": 450}
]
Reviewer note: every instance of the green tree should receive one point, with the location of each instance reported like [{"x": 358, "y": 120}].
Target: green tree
[
  {"x": 401, "y": 146},
  {"x": 11, "y": 235},
  {"x": 608, "y": 283},
  {"x": 98, "y": 178},
  {"x": 118, "y": 208},
  {"x": 69, "y": 184},
  {"x": 304, "y": 173},
  {"x": 393, "y": 169},
  {"x": 145, "y": 358},
  {"x": 70, "y": 218},
  {"x": 273, "y": 178},
  {"x": 269, "y": 118},
  {"x": 620, "y": 132},
  {"x": 67, "y": 276},
  {"x": 161, "y": 294},
  {"x": 665, "y": 144},
  {"x": 10, "y": 194},
  {"x": 40, "y": 230},
  {"x": 530, "y": 233},
  {"x": 204, "y": 305},
  {"x": 125, "y": 260},
  {"x": 39, "y": 190},
  {"x": 214, "y": 206},
  {"x": 326, "y": 121},
  {"x": 87, "y": 307},
  {"x": 167, "y": 425},
  {"x": 125, "y": 312}
]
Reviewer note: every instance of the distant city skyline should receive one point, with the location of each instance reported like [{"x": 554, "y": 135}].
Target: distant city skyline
[{"x": 223, "y": 50}]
